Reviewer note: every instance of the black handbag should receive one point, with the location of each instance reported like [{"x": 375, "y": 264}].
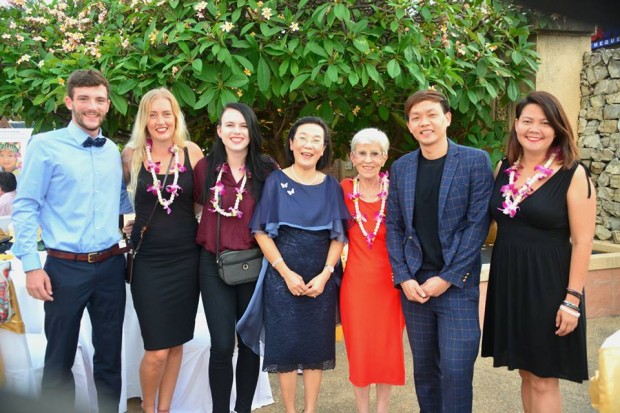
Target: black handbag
[
  {"x": 131, "y": 254},
  {"x": 237, "y": 267}
]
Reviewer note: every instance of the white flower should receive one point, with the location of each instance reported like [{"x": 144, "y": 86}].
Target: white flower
[
  {"x": 294, "y": 26},
  {"x": 227, "y": 27},
  {"x": 24, "y": 58},
  {"x": 267, "y": 13},
  {"x": 41, "y": 63},
  {"x": 200, "y": 6}
]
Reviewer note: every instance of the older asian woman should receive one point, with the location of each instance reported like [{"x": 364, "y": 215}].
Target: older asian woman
[
  {"x": 300, "y": 226},
  {"x": 370, "y": 307},
  {"x": 545, "y": 211}
]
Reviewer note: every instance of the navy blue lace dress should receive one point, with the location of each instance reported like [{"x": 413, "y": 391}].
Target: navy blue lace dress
[{"x": 302, "y": 220}]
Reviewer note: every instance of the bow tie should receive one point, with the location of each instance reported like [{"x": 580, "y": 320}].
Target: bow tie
[{"x": 93, "y": 142}]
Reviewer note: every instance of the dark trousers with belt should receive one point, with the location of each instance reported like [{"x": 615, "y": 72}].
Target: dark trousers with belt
[
  {"x": 444, "y": 335},
  {"x": 224, "y": 305},
  {"x": 99, "y": 287}
]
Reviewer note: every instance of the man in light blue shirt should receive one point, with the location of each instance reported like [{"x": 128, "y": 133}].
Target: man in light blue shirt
[{"x": 70, "y": 187}]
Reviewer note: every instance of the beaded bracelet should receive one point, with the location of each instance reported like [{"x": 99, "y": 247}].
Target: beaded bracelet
[
  {"x": 571, "y": 306},
  {"x": 277, "y": 261},
  {"x": 574, "y": 293},
  {"x": 569, "y": 311}
]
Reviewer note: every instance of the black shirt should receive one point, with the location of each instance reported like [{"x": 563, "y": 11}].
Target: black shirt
[{"x": 425, "y": 216}]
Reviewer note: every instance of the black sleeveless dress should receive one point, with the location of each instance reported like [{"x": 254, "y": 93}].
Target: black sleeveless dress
[
  {"x": 165, "y": 286},
  {"x": 527, "y": 282}
]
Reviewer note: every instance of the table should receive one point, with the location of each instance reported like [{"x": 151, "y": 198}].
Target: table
[{"x": 191, "y": 394}]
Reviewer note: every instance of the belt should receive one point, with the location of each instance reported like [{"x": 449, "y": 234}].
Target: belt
[{"x": 90, "y": 257}]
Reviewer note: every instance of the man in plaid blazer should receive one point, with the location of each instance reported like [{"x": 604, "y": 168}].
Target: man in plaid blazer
[{"x": 437, "y": 220}]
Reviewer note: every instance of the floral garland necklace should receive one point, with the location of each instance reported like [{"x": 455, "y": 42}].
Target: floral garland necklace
[
  {"x": 218, "y": 191},
  {"x": 513, "y": 196},
  {"x": 379, "y": 216},
  {"x": 153, "y": 168}
]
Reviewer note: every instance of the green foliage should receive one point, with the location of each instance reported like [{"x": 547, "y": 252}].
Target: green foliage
[{"x": 352, "y": 62}]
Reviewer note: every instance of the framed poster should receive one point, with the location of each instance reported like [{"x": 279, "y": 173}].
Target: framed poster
[{"x": 13, "y": 143}]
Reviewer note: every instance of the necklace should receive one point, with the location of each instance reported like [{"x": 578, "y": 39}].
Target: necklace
[
  {"x": 513, "y": 196},
  {"x": 218, "y": 191},
  {"x": 379, "y": 216},
  {"x": 153, "y": 168},
  {"x": 316, "y": 175}
]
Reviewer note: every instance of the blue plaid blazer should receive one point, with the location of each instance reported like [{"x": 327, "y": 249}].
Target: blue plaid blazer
[{"x": 466, "y": 186}]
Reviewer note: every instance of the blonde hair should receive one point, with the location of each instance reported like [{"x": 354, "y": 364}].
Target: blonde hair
[{"x": 139, "y": 133}]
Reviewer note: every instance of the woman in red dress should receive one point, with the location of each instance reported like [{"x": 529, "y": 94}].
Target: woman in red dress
[{"x": 372, "y": 318}]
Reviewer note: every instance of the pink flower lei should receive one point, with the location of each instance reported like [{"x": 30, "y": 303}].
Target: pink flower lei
[
  {"x": 153, "y": 167},
  {"x": 513, "y": 196},
  {"x": 218, "y": 191},
  {"x": 380, "y": 216}
]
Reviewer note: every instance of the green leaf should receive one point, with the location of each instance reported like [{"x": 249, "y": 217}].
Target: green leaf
[
  {"x": 283, "y": 68},
  {"x": 316, "y": 49},
  {"x": 183, "y": 46},
  {"x": 197, "y": 65},
  {"x": 119, "y": 102},
  {"x": 126, "y": 86},
  {"x": 513, "y": 90},
  {"x": 207, "y": 97},
  {"x": 353, "y": 78},
  {"x": 426, "y": 14},
  {"x": 516, "y": 57},
  {"x": 298, "y": 81},
  {"x": 263, "y": 75},
  {"x": 393, "y": 68},
  {"x": 361, "y": 44},
  {"x": 332, "y": 73},
  {"x": 373, "y": 73},
  {"x": 236, "y": 81},
  {"x": 384, "y": 113},
  {"x": 226, "y": 97},
  {"x": 184, "y": 93},
  {"x": 244, "y": 62},
  {"x": 269, "y": 31}
]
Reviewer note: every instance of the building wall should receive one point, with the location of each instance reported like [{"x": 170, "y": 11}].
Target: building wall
[{"x": 560, "y": 68}]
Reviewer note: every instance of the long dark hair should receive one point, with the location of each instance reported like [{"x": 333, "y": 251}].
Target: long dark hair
[
  {"x": 257, "y": 164},
  {"x": 564, "y": 141}
]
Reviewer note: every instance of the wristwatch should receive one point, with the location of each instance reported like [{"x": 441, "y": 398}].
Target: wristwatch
[{"x": 330, "y": 268}]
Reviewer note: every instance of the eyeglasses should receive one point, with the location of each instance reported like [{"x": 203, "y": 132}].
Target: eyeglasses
[
  {"x": 316, "y": 142},
  {"x": 374, "y": 155}
]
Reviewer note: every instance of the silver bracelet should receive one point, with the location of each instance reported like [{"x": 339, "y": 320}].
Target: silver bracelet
[
  {"x": 277, "y": 261},
  {"x": 569, "y": 311}
]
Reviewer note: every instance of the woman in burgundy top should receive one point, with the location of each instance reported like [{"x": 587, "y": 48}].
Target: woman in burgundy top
[{"x": 236, "y": 164}]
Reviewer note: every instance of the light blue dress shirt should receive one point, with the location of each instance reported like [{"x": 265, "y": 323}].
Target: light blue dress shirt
[{"x": 73, "y": 193}]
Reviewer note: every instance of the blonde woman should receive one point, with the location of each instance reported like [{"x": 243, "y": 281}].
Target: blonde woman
[{"x": 165, "y": 286}]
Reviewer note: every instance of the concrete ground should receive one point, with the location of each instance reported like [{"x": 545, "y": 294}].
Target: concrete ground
[{"x": 495, "y": 389}]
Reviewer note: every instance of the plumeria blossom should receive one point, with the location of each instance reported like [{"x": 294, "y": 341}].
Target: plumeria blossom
[
  {"x": 247, "y": 71},
  {"x": 24, "y": 58},
  {"x": 294, "y": 26},
  {"x": 227, "y": 27},
  {"x": 267, "y": 13},
  {"x": 200, "y": 6}
]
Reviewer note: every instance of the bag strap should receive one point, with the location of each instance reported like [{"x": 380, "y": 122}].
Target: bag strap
[
  {"x": 148, "y": 221},
  {"x": 217, "y": 236}
]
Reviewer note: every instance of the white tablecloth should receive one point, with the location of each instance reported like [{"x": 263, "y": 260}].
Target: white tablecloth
[{"x": 191, "y": 395}]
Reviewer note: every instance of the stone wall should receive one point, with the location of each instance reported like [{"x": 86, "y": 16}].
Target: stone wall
[{"x": 599, "y": 135}]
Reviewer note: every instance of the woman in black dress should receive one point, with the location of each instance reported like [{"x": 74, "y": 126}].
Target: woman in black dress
[
  {"x": 165, "y": 283},
  {"x": 235, "y": 166},
  {"x": 545, "y": 211}
]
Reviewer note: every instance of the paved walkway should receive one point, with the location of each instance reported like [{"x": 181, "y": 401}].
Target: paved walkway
[{"x": 495, "y": 389}]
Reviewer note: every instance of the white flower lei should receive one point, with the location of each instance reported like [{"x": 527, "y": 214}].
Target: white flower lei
[
  {"x": 218, "y": 190},
  {"x": 511, "y": 206},
  {"x": 153, "y": 168},
  {"x": 385, "y": 184}
]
